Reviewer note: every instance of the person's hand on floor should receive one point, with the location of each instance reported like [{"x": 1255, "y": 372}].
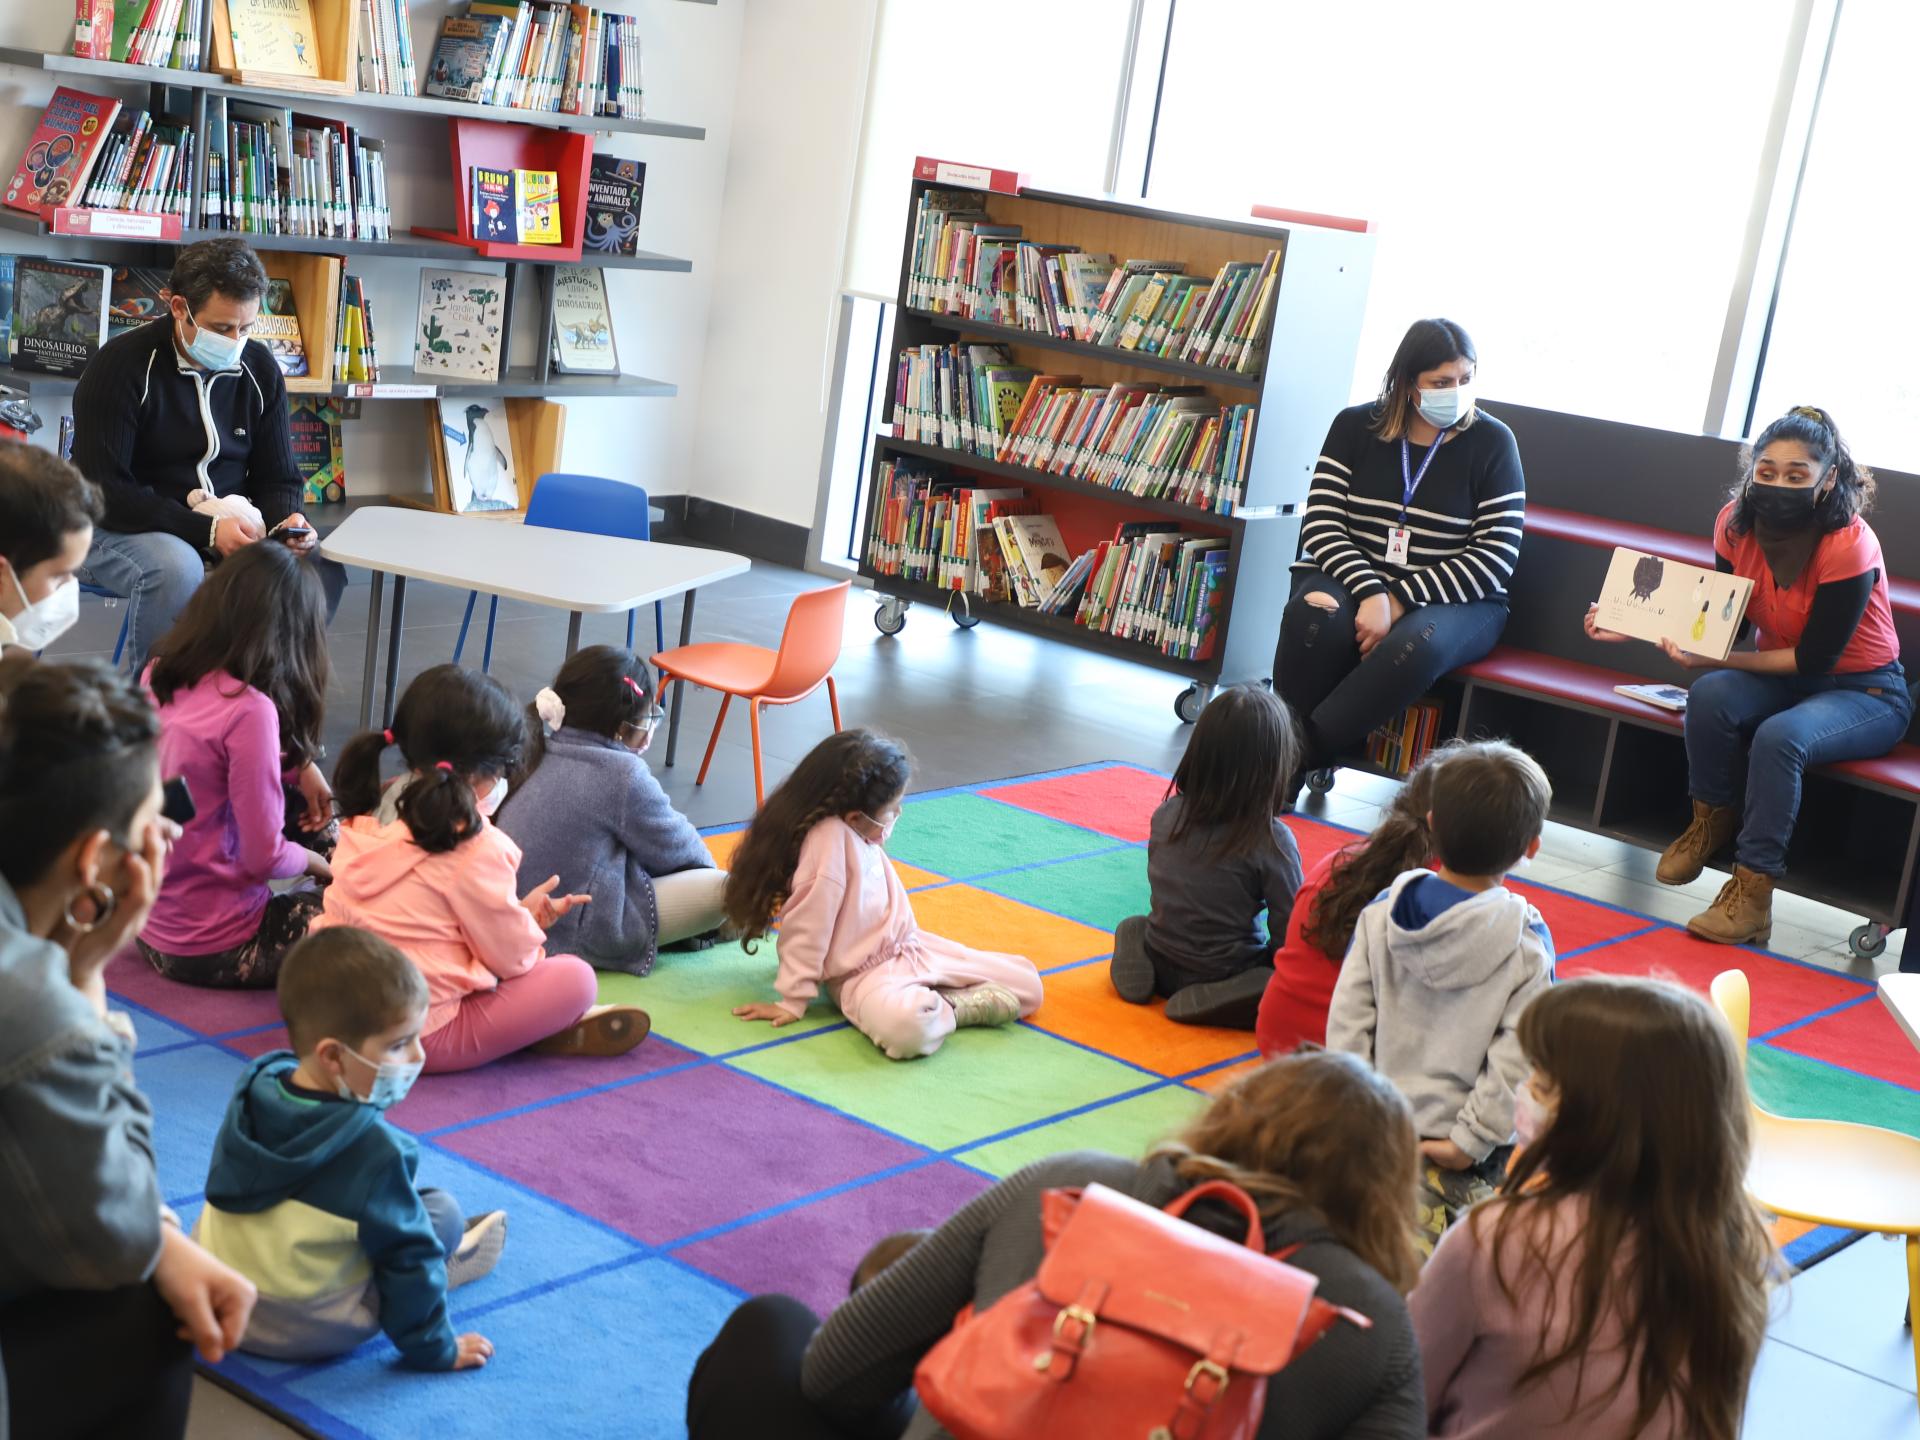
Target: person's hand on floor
[
  {"x": 475, "y": 1351},
  {"x": 1446, "y": 1154},
  {"x": 545, "y": 907},
  {"x": 774, "y": 1015},
  {"x": 211, "y": 1301}
]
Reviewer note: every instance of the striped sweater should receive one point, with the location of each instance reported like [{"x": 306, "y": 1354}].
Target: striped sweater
[{"x": 1466, "y": 518}]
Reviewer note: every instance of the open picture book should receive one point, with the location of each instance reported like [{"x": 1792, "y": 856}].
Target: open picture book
[{"x": 1653, "y": 598}]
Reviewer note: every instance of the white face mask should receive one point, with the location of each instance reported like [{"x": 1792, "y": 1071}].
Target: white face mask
[
  {"x": 884, "y": 832},
  {"x": 213, "y": 350},
  {"x": 1446, "y": 408},
  {"x": 391, "y": 1082},
  {"x": 1530, "y": 1117},
  {"x": 494, "y": 798},
  {"x": 41, "y": 622}
]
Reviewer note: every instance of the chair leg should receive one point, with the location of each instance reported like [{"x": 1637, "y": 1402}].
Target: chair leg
[
  {"x": 713, "y": 740},
  {"x": 1913, "y": 1296},
  {"x": 759, "y": 778},
  {"x": 659, "y": 627},
  {"x": 466, "y": 619},
  {"x": 120, "y": 645},
  {"x": 833, "y": 702},
  {"x": 629, "y": 629},
  {"x": 486, "y": 659}
]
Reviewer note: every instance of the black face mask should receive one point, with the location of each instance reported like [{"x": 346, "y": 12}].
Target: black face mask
[{"x": 1783, "y": 509}]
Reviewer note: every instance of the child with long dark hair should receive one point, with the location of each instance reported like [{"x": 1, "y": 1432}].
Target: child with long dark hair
[
  {"x": 586, "y": 808},
  {"x": 242, "y": 681},
  {"x": 1327, "y": 906},
  {"x": 1218, "y": 855},
  {"x": 1617, "y": 1286},
  {"x": 422, "y": 866},
  {"x": 813, "y": 859}
]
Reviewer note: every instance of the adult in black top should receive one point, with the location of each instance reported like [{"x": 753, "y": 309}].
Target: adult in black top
[
  {"x": 182, "y": 423},
  {"x": 1411, "y": 531},
  {"x": 1323, "y": 1144}
]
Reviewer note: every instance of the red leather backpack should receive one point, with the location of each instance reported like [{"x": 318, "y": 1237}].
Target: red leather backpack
[{"x": 1137, "y": 1324}]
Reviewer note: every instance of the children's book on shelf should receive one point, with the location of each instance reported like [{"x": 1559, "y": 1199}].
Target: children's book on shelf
[
  {"x": 478, "y": 451},
  {"x": 278, "y": 328},
  {"x": 61, "y": 154},
  {"x": 526, "y": 55},
  {"x": 460, "y": 326},
  {"x": 1665, "y": 697},
  {"x": 93, "y": 29},
  {"x": 385, "y": 39},
  {"x": 537, "y": 195},
  {"x": 583, "y": 322},
  {"x": 146, "y": 166},
  {"x": 140, "y": 32},
  {"x": 494, "y": 204},
  {"x": 1042, "y": 554},
  {"x": 354, "y": 355},
  {"x": 59, "y": 314},
  {"x": 314, "y": 423},
  {"x": 1653, "y": 598},
  {"x": 463, "y": 56},
  {"x": 614, "y": 188},
  {"x": 274, "y": 36},
  {"x": 6, "y": 306},
  {"x": 271, "y": 170},
  {"x": 135, "y": 295}
]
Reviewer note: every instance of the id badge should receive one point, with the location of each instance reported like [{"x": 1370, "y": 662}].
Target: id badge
[{"x": 1399, "y": 542}]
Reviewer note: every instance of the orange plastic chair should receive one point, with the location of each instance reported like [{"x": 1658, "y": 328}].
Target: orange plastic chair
[
  {"x": 1830, "y": 1172},
  {"x": 808, "y": 648}
]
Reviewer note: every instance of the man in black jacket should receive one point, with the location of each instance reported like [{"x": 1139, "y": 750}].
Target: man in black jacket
[{"x": 182, "y": 424}]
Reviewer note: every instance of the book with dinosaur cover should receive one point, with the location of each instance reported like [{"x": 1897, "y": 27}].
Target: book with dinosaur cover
[
  {"x": 61, "y": 154},
  {"x": 478, "y": 451},
  {"x": 1652, "y": 598},
  {"x": 134, "y": 296},
  {"x": 582, "y": 323},
  {"x": 614, "y": 188},
  {"x": 276, "y": 36},
  {"x": 59, "y": 314},
  {"x": 314, "y": 423},
  {"x": 460, "y": 325},
  {"x": 278, "y": 328}
]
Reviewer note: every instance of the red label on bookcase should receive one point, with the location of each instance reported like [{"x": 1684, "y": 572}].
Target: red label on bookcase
[
  {"x": 968, "y": 177},
  {"x": 1309, "y": 217},
  {"x": 116, "y": 224}
]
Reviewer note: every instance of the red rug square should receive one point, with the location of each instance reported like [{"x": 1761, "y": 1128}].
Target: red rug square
[
  {"x": 1863, "y": 1037},
  {"x": 1316, "y": 838},
  {"x": 1116, "y": 800},
  {"x": 1576, "y": 923},
  {"x": 1783, "y": 991}
]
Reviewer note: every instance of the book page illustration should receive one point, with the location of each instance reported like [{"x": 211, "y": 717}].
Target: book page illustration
[{"x": 1653, "y": 598}]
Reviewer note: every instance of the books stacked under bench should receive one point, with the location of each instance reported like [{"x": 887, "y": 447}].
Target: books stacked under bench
[
  {"x": 1404, "y": 741},
  {"x": 963, "y": 264},
  {"x": 565, "y": 59},
  {"x": 1151, "y": 582}
]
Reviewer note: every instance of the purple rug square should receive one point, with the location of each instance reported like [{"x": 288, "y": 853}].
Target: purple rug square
[
  {"x": 809, "y": 1252},
  {"x": 258, "y": 1042},
  {"x": 675, "y": 1156},
  {"x": 205, "y": 1012},
  {"x": 438, "y": 1101}
]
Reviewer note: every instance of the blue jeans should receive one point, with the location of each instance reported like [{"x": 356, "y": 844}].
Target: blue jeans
[{"x": 1773, "y": 727}]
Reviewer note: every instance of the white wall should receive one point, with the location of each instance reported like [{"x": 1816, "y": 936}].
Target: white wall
[
  {"x": 795, "y": 131},
  {"x": 692, "y": 55}
]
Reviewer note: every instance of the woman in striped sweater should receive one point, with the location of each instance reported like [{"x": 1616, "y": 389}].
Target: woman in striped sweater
[{"x": 1411, "y": 531}]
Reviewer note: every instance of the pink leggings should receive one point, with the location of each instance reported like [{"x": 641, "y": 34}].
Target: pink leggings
[{"x": 513, "y": 1015}]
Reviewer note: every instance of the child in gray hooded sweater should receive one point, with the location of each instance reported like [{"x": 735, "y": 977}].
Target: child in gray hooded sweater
[{"x": 1442, "y": 964}]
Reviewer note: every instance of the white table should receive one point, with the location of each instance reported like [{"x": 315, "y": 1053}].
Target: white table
[
  {"x": 1900, "y": 993},
  {"x": 583, "y": 574}
]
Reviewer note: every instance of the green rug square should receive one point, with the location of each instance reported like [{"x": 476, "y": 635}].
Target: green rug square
[
  {"x": 1790, "y": 1084},
  {"x": 980, "y": 1083},
  {"x": 691, "y": 998},
  {"x": 963, "y": 835},
  {"x": 1126, "y": 1127},
  {"x": 1099, "y": 890}
]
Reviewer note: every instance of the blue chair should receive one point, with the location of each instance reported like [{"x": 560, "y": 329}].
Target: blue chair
[{"x": 591, "y": 505}]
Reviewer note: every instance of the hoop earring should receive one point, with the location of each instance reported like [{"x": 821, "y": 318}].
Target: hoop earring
[{"x": 104, "y": 901}]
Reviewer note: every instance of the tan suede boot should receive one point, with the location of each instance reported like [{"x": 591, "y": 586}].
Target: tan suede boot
[
  {"x": 1713, "y": 826},
  {"x": 1742, "y": 913}
]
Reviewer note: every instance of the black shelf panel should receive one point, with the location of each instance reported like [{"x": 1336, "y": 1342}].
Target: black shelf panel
[
  {"x": 520, "y": 380},
  {"x": 1053, "y": 627},
  {"x": 1042, "y": 479},
  {"x": 32, "y": 382},
  {"x": 1112, "y": 354}
]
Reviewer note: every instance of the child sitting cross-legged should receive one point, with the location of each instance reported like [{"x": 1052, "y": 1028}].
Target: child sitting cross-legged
[
  {"x": 1442, "y": 965},
  {"x": 813, "y": 859},
  {"x": 311, "y": 1193},
  {"x": 1217, "y": 856}
]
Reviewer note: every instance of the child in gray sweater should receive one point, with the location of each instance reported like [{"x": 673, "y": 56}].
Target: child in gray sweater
[{"x": 1440, "y": 967}]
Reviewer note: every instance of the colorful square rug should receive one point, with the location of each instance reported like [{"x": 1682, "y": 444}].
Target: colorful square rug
[{"x": 648, "y": 1194}]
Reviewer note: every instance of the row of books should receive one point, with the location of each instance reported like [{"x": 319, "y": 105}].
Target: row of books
[
  {"x": 1404, "y": 741},
  {"x": 963, "y": 264},
  {"x": 533, "y": 55},
  {"x": 384, "y": 65},
  {"x": 1168, "y": 442},
  {"x": 146, "y": 166},
  {"x": 274, "y": 171},
  {"x": 140, "y": 32},
  {"x": 354, "y": 354}
]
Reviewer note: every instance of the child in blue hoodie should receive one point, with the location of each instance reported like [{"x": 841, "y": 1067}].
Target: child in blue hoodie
[
  {"x": 311, "y": 1193},
  {"x": 1440, "y": 967}
]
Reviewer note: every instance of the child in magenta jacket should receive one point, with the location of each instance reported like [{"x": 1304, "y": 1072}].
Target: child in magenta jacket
[{"x": 421, "y": 865}]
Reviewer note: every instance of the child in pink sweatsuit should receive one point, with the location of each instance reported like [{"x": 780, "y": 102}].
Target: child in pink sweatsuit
[
  {"x": 845, "y": 919},
  {"x": 421, "y": 865}
]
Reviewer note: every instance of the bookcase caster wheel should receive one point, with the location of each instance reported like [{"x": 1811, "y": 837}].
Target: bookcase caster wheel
[
  {"x": 1191, "y": 701},
  {"x": 1320, "y": 782},
  {"x": 965, "y": 619},
  {"x": 890, "y": 616},
  {"x": 960, "y": 610},
  {"x": 1868, "y": 941}
]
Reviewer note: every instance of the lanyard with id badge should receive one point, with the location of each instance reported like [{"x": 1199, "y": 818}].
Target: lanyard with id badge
[{"x": 1400, "y": 537}]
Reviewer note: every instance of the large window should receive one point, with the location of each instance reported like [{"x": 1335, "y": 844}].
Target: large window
[{"x": 1571, "y": 183}]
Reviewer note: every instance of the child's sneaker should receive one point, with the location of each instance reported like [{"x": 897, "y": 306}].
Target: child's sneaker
[
  {"x": 604, "y": 1030},
  {"x": 479, "y": 1249},
  {"x": 984, "y": 1005},
  {"x": 1131, "y": 968}
]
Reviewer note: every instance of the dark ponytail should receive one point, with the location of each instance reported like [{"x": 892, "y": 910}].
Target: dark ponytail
[
  {"x": 1853, "y": 483},
  {"x": 603, "y": 688},
  {"x": 452, "y": 725}
]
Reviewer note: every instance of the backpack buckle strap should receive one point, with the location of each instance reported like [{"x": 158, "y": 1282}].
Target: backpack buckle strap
[
  {"x": 1207, "y": 1382},
  {"x": 1073, "y": 1331}
]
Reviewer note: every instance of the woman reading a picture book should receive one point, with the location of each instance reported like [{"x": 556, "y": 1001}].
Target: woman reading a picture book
[
  {"x": 1411, "y": 529},
  {"x": 1823, "y": 682}
]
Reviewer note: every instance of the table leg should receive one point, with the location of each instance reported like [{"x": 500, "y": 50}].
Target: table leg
[
  {"x": 573, "y": 632},
  {"x": 373, "y": 649},
  {"x": 680, "y": 687},
  {"x": 393, "y": 645}
]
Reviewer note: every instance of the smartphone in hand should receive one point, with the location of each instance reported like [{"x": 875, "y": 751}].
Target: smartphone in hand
[{"x": 293, "y": 533}]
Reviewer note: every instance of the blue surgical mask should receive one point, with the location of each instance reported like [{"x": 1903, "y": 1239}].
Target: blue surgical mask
[
  {"x": 1446, "y": 408},
  {"x": 215, "y": 351},
  {"x": 391, "y": 1082}
]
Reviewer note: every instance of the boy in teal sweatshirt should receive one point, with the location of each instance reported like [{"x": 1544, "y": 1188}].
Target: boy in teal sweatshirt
[{"x": 311, "y": 1193}]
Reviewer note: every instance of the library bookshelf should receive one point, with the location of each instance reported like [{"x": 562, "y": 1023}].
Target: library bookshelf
[{"x": 1298, "y": 378}]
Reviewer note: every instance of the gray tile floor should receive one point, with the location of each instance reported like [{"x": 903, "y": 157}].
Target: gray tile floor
[{"x": 990, "y": 703}]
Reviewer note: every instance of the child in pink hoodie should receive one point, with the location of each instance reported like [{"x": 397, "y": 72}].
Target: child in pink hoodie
[
  {"x": 421, "y": 865},
  {"x": 814, "y": 855}
]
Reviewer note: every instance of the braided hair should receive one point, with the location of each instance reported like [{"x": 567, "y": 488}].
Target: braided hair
[{"x": 1853, "y": 484}]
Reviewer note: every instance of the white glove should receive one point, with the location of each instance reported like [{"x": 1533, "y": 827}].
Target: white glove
[{"x": 225, "y": 507}]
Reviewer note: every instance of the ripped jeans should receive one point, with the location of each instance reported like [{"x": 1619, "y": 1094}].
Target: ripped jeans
[{"x": 1340, "y": 697}]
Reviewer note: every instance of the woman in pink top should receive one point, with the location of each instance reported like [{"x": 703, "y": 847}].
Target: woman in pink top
[
  {"x": 1617, "y": 1289},
  {"x": 241, "y": 679},
  {"x": 421, "y": 865},
  {"x": 814, "y": 855}
]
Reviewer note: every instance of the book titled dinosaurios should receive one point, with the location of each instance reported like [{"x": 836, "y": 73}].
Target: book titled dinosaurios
[
  {"x": 582, "y": 323},
  {"x": 459, "y": 331},
  {"x": 59, "y": 314}
]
